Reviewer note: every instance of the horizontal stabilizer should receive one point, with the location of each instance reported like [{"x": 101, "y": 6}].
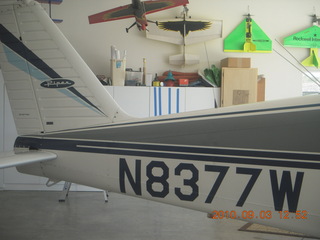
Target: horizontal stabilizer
[
  {"x": 313, "y": 60},
  {"x": 184, "y": 59},
  {"x": 308, "y": 38},
  {"x": 11, "y": 159},
  {"x": 248, "y": 38}
]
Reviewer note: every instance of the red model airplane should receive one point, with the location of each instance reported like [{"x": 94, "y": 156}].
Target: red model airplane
[{"x": 137, "y": 9}]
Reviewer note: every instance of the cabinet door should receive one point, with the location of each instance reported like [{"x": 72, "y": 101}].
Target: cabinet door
[
  {"x": 133, "y": 100},
  {"x": 202, "y": 98},
  {"x": 239, "y": 86}
]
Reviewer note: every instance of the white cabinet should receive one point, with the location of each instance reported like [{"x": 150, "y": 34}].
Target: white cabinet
[{"x": 158, "y": 101}]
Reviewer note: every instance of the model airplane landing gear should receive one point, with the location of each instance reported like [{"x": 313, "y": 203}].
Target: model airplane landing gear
[
  {"x": 127, "y": 29},
  {"x": 155, "y": 22}
]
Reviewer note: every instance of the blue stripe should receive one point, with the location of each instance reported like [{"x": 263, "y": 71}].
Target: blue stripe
[
  {"x": 160, "y": 101},
  {"x": 169, "y": 100},
  {"x": 178, "y": 100},
  {"x": 155, "y": 102}
]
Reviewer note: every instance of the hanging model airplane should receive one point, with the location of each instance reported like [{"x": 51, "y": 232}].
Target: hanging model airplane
[
  {"x": 137, "y": 9},
  {"x": 248, "y": 37},
  {"x": 185, "y": 31},
  {"x": 256, "y": 162},
  {"x": 308, "y": 38},
  {"x": 55, "y": 2}
]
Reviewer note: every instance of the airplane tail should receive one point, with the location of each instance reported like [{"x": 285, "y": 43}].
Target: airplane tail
[
  {"x": 313, "y": 60},
  {"x": 184, "y": 59},
  {"x": 50, "y": 87}
]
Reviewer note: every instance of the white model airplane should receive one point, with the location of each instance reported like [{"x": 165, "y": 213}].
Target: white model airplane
[{"x": 258, "y": 162}]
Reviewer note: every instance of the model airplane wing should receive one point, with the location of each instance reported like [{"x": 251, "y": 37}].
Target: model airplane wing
[
  {"x": 184, "y": 27},
  {"x": 239, "y": 41},
  {"x": 308, "y": 38},
  {"x": 11, "y": 159},
  {"x": 128, "y": 11},
  {"x": 122, "y": 12},
  {"x": 185, "y": 32},
  {"x": 155, "y": 6}
]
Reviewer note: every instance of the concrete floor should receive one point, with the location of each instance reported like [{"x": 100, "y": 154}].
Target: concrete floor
[{"x": 28, "y": 215}]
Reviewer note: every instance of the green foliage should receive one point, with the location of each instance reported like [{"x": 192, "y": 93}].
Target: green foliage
[{"x": 213, "y": 75}]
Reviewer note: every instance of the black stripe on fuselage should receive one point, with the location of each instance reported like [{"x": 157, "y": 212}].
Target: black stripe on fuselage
[{"x": 190, "y": 153}]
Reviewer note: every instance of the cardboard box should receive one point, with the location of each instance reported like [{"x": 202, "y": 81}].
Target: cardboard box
[
  {"x": 236, "y": 62},
  {"x": 261, "y": 96},
  {"x": 239, "y": 86}
]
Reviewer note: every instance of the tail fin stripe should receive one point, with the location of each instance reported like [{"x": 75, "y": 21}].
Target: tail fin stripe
[
  {"x": 16, "y": 60},
  {"x": 39, "y": 69},
  {"x": 84, "y": 99},
  {"x": 18, "y": 47}
]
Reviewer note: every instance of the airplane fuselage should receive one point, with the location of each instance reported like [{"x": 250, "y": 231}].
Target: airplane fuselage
[
  {"x": 140, "y": 14},
  {"x": 247, "y": 165}
]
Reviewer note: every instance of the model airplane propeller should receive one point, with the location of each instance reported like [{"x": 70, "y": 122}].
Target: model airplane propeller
[
  {"x": 136, "y": 9},
  {"x": 308, "y": 38}
]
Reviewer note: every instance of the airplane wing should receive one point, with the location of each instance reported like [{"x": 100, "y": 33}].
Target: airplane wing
[
  {"x": 11, "y": 159},
  {"x": 113, "y": 14},
  {"x": 184, "y": 27},
  {"x": 159, "y": 5}
]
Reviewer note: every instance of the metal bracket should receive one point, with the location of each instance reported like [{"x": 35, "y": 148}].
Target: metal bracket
[{"x": 66, "y": 189}]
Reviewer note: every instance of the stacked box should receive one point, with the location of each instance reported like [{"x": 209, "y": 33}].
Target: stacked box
[
  {"x": 236, "y": 62},
  {"x": 239, "y": 86}
]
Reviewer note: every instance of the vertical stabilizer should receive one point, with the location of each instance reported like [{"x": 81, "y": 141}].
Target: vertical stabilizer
[
  {"x": 313, "y": 60},
  {"x": 50, "y": 87}
]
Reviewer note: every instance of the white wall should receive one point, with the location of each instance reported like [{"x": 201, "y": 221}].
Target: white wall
[{"x": 277, "y": 18}]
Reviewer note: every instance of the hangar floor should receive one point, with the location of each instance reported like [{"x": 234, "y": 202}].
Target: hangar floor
[{"x": 28, "y": 215}]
